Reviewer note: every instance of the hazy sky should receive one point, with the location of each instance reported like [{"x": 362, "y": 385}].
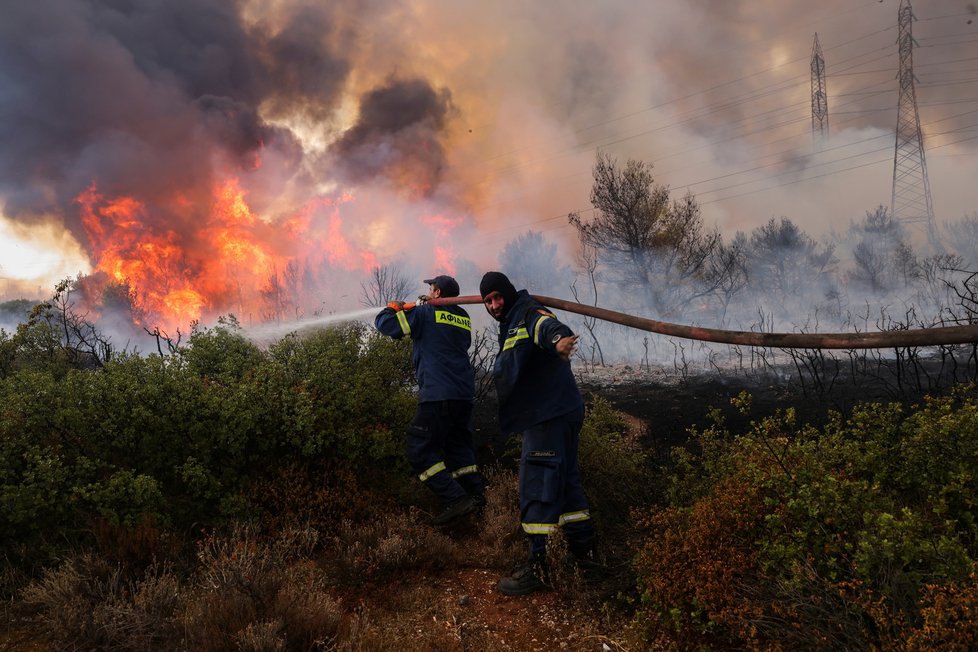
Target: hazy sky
[{"x": 463, "y": 121}]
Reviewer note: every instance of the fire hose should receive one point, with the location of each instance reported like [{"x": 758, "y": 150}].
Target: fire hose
[{"x": 898, "y": 338}]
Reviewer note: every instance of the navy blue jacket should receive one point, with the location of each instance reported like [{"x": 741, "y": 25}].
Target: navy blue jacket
[
  {"x": 441, "y": 337},
  {"x": 533, "y": 383}
]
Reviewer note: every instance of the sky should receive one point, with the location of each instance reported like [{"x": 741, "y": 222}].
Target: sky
[{"x": 435, "y": 132}]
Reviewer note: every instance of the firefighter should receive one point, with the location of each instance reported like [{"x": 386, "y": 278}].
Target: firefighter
[
  {"x": 539, "y": 397},
  {"x": 439, "y": 439}
]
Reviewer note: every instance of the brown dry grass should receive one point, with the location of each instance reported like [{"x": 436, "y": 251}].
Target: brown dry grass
[
  {"x": 381, "y": 582},
  {"x": 393, "y": 583}
]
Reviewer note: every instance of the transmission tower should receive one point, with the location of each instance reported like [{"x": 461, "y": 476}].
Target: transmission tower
[
  {"x": 911, "y": 200},
  {"x": 820, "y": 100}
]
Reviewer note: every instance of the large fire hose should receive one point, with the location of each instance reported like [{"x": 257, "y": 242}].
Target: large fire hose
[{"x": 879, "y": 340}]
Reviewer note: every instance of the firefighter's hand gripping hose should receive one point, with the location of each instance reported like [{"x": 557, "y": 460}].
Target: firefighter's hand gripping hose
[{"x": 967, "y": 334}]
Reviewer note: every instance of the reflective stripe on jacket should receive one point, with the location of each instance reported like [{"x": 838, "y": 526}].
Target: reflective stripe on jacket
[
  {"x": 533, "y": 383},
  {"x": 441, "y": 337}
]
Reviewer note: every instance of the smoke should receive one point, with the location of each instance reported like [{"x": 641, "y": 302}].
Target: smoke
[
  {"x": 365, "y": 132},
  {"x": 396, "y": 133}
]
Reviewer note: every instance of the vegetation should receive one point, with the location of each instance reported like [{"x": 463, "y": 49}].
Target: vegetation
[
  {"x": 223, "y": 496},
  {"x": 228, "y": 497},
  {"x": 845, "y": 537},
  {"x": 176, "y": 441}
]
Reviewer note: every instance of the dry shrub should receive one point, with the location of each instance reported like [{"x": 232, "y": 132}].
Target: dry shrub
[
  {"x": 318, "y": 497},
  {"x": 813, "y": 612},
  {"x": 500, "y": 541},
  {"x": 397, "y": 632},
  {"x": 260, "y": 637},
  {"x": 88, "y": 603},
  {"x": 564, "y": 573},
  {"x": 250, "y": 593},
  {"x": 698, "y": 565},
  {"x": 137, "y": 544},
  {"x": 67, "y": 596},
  {"x": 393, "y": 543},
  {"x": 950, "y": 617}
]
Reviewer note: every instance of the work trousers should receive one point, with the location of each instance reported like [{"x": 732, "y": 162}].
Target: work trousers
[
  {"x": 551, "y": 493},
  {"x": 440, "y": 450}
]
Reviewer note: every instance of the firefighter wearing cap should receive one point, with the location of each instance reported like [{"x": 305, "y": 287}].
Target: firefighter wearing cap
[
  {"x": 539, "y": 397},
  {"x": 439, "y": 439}
]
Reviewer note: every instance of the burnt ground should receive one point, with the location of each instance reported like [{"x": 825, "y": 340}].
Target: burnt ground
[{"x": 667, "y": 406}]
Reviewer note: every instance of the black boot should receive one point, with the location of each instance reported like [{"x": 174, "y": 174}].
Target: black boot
[
  {"x": 528, "y": 577},
  {"x": 455, "y": 509},
  {"x": 480, "y": 503}
]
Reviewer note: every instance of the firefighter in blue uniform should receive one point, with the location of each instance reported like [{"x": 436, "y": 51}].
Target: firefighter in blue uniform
[
  {"x": 538, "y": 397},
  {"x": 439, "y": 439}
]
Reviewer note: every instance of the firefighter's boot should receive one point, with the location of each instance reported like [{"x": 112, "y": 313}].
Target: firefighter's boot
[
  {"x": 455, "y": 509},
  {"x": 528, "y": 577}
]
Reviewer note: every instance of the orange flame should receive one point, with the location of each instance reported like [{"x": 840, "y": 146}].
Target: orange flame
[
  {"x": 229, "y": 261},
  {"x": 183, "y": 263},
  {"x": 444, "y": 255}
]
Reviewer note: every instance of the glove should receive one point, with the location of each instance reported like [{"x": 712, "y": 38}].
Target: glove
[
  {"x": 396, "y": 306},
  {"x": 423, "y": 299}
]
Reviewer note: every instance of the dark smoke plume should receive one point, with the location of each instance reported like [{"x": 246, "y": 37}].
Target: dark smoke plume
[
  {"x": 397, "y": 130},
  {"x": 145, "y": 98}
]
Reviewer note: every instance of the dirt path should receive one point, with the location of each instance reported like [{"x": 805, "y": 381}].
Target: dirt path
[{"x": 461, "y": 610}]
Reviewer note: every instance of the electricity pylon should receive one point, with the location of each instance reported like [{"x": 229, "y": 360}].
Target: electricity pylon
[
  {"x": 910, "y": 201},
  {"x": 820, "y": 100}
]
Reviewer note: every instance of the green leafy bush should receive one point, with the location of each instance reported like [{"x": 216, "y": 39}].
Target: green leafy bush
[
  {"x": 179, "y": 440},
  {"x": 614, "y": 469},
  {"x": 814, "y": 538}
]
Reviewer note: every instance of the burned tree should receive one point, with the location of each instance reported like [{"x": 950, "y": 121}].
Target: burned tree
[
  {"x": 785, "y": 263},
  {"x": 386, "y": 284},
  {"x": 531, "y": 262},
  {"x": 652, "y": 246}
]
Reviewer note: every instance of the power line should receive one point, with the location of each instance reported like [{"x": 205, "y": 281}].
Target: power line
[{"x": 768, "y": 90}]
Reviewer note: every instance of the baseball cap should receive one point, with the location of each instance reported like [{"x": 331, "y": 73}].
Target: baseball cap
[{"x": 447, "y": 285}]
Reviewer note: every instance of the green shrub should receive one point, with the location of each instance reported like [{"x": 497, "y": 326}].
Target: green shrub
[
  {"x": 614, "y": 469},
  {"x": 179, "y": 440},
  {"x": 221, "y": 354},
  {"x": 845, "y": 529},
  {"x": 352, "y": 393}
]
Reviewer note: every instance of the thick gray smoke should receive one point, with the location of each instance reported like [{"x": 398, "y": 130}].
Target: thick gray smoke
[
  {"x": 398, "y": 127},
  {"x": 456, "y": 127},
  {"x": 145, "y": 98}
]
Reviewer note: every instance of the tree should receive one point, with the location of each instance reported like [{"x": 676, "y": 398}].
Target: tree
[
  {"x": 964, "y": 238},
  {"x": 274, "y": 296},
  {"x": 15, "y": 311},
  {"x": 785, "y": 263},
  {"x": 386, "y": 284},
  {"x": 906, "y": 265},
  {"x": 878, "y": 252},
  {"x": 531, "y": 262},
  {"x": 870, "y": 266},
  {"x": 732, "y": 266},
  {"x": 650, "y": 245}
]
